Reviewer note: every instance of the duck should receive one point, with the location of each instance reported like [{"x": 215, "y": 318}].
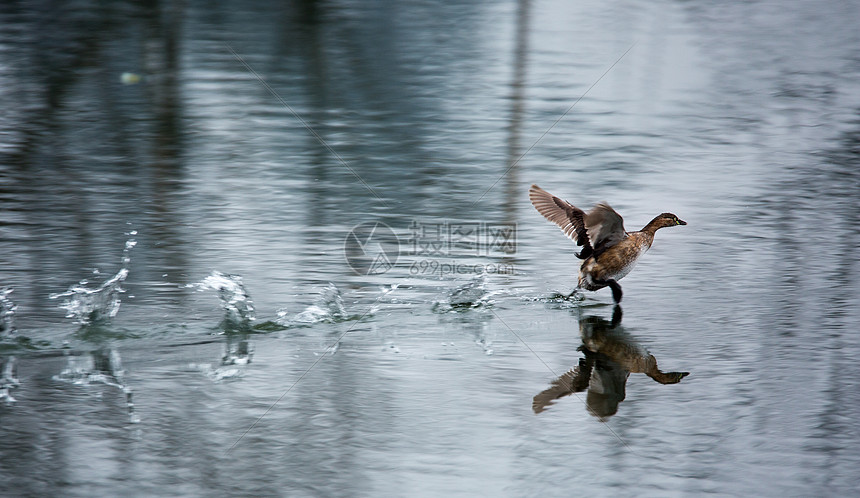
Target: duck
[{"x": 609, "y": 252}]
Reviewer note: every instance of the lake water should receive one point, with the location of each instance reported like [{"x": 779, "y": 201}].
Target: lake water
[{"x": 216, "y": 172}]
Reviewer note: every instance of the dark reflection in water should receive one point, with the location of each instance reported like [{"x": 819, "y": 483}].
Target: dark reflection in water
[{"x": 611, "y": 354}]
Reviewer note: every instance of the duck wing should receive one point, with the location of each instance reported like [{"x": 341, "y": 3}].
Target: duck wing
[
  {"x": 604, "y": 227},
  {"x": 568, "y": 217},
  {"x": 574, "y": 380}
]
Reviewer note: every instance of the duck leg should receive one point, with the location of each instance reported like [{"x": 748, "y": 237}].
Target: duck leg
[{"x": 616, "y": 289}]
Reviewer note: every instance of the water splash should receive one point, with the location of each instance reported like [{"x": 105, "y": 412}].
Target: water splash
[
  {"x": 239, "y": 313},
  {"x": 384, "y": 291},
  {"x": 235, "y": 301},
  {"x": 7, "y": 313},
  {"x": 557, "y": 297},
  {"x": 329, "y": 308},
  {"x": 88, "y": 305},
  {"x": 472, "y": 294}
]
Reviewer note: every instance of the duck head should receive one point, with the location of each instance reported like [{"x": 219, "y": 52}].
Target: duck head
[
  {"x": 662, "y": 221},
  {"x": 668, "y": 220}
]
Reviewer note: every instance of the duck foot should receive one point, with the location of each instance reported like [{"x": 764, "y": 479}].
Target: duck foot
[{"x": 574, "y": 292}]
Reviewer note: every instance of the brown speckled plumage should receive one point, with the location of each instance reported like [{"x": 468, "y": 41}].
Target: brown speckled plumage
[{"x": 609, "y": 252}]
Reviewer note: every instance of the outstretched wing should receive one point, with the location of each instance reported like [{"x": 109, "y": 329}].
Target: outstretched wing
[
  {"x": 568, "y": 217},
  {"x": 604, "y": 227}
]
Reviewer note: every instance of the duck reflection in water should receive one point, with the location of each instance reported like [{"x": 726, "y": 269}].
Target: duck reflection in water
[{"x": 610, "y": 355}]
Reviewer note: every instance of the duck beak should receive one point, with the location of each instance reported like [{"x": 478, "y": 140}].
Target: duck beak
[{"x": 681, "y": 222}]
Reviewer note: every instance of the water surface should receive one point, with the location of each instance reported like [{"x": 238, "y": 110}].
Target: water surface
[{"x": 232, "y": 349}]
